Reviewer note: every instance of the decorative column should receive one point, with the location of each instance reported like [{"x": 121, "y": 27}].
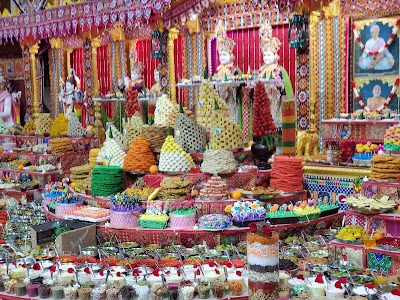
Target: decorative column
[
  {"x": 33, "y": 50},
  {"x": 95, "y": 43},
  {"x": 56, "y": 72},
  {"x": 88, "y": 73},
  {"x": 68, "y": 52},
  {"x": 27, "y": 83},
  {"x": 118, "y": 67},
  {"x": 172, "y": 36}
]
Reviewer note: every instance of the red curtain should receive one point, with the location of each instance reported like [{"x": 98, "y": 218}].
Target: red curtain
[
  {"x": 104, "y": 71},
  {"x": 247, "y": 50},
  {"x": 144, "y": 55},
  {"x": 77, "y": 65}
]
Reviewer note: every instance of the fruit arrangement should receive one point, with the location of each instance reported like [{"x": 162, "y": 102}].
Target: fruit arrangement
[
  {"x": 131, "y": 103},
  {"x": 352, "y": 233},
  {"x": 263, "y": 123}
]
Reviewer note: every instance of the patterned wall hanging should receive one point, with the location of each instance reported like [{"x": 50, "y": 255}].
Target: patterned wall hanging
[
  {"x": 27, "y": 80},
  {"x": 87, "y": 63}
]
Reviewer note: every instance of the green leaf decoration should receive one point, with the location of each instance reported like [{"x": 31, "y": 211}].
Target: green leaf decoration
[
  {"x": 110, "y": 135},
  {"x": 215, "y": 174},
  {"x": 225, "y": 77},
  {"x": 265, "y": 75},
  {"x": 216, "y": 106},
  {"x": 180, "y": 108},
  {"x": 169, "y": 130},
  {"x": 270, "y": 76},
  {"x": 205, "y": 74}
]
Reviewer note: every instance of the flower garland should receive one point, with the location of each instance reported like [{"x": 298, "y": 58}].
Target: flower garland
[
  {"x": 388, "y": 99},
  {"x": 387, "y": 44}
]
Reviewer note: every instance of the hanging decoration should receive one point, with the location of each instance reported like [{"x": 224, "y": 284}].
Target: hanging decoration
[
  {"x": 387, "y": 44},
  {"x": 380, "y": 108},
  {"x": 297, "y": 36},
  {"x": 157, "y": 44}
]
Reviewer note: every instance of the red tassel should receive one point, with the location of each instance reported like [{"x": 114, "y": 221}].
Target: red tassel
[
  {"x": 390, "y": 95},
  {"x": 397, "y": 82},
  {"x": 353, "y": 84},
  {"x": 358, "y": 40},
  {"x": 353, "y": 26}
]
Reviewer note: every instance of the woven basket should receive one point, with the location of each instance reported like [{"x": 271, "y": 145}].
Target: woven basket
[
  {"x": 120, "y": 219},
  {"x": 153, "y": 224},
  {"x": 182, "y": 221}
]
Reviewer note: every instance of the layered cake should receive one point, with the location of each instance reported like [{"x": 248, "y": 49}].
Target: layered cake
[
  {"x": 214, "y": 222},
  {"x": 215, "y": 188},
  {"x": 75, "y": 127},
  {"x": 175, "y": 188},
  {"x": 60, "y": 125},
  {"x": 385, "y": 167},
  {"x": 189, "y": 135},
  {"x": 139, "y": 157},
  {"x": 106, "y": 181},
  {"x": 263, "y": 261},
  {"x": 93, "y": 153},
  {"x": 173, "y": 158},
  {"x": 219, "y": 161},
  {"x": 224, "y": 133},
  {"x": 155, "y": 216},
  {"x": 206, "y": 105},
  {"x": 287, "y": 173},
  {"x": 182, "y": 214},
  {"x": 61, "y": 145},
  {"x": 112, "y": 153},
  {"x": 246, "y": 211},
  {"x": 392, "y": 138}
]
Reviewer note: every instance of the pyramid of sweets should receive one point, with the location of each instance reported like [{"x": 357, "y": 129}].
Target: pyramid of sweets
[
  {"x": 75, "y": 127},
  {"x": 93, "y": 153},
  {"x": 205, "y": 105},
  {"x": 43, "y": 124},
  {"x": 224, "y": 133},
  {"x": 392, "y": 138},
  {"x": 166, "y": 111},
  {"x": 132, "y": 128},
  {"x": 155, "y": 135},
  {"x": 112, "y": 153},
  {"x": 189, "y": 135},
  {"x": 175, "y": 188},
  {"x": 116, "y": 135},
  {"x": 61, "y": 145},
  {"x": 214, "y": 188},
  {"x": 385, "y": 167},
  {"x": 219, "y": 161},
  {"x": 29, "y": 127},
  {"x": 60, "y": 125},
  {"x": 80, "y": 172},
  {"x": 139, "y": 157},
  {"x": 287, "y": 173},
  {"x": 173, "y": 158}
]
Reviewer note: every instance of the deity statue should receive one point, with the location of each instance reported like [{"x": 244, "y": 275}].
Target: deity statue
[
  {"x": 155, "y": 90},
  {"x": 225, "y": 47},
  {"x": 383, "y": 61},
  {"x": 137, "y": 67},
  {"x": 7, "y": 104},
  {"x": 269, "y": 47},
  {"x": 71, "y": 97}
]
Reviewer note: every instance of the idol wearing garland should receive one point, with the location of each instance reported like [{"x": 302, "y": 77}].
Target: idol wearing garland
[
  {"x": 71, "y": 97},
  {"x": 269, "y": 47},
  {"x": 7, "y": 103}
]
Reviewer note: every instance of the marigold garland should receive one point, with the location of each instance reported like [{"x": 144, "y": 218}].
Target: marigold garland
[
  {"x": 388, "y": 99},
  {"x": 387, "y": 44}
]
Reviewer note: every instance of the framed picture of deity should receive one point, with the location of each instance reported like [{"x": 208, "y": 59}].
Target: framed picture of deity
[
  {"x": 376, "y": 93},
  {"x": 376, "y": 47}
]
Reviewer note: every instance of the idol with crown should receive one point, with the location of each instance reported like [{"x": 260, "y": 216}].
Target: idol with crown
[
  {"x": 137, "y": 67},
  {"x": 281, "y": 87},
  {"x": 71, "y": 97}
]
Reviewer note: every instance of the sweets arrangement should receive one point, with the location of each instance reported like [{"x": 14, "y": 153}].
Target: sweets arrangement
[
  {"x": 173, "y": 158},
  {"x": 88, "y": 214},
  {"x": 43, "y": 124},
  {"x": 75, "y": 128},
  {"x": 215, "y": 188},
  {"x": 132, "y": 130},
  {"x": 385, "y": 167},
  {"x": 116, "y": 135},
  {"x": 155, "y": 216},
  {"x": 131, "y": 103},
  {"x": 155, "y": 135},
  {"x": 80, "y": 172},
  {"x": 60, "y": 126},
  {"x": 247, "y": 211},
  {"x": 29, "y": 127},
  {"x": 61, "y": 145},
  {"x": 220, "y": 161},
  {"x": 106, "y": 181},
  {"x": 206, "y": 105},
  {"x": 182, "y": 214},
  {"x": 287, "y": 173},
  {"x": 125, "y": 210},
  {"x": 214, "y": 222},
  {"x": 263, "y": 122},
  {"x": 392, "y": 138},
  {"x": 139, "y": 157},
  {"x": 111, "y": 154},
  {"x": 93, "y": 153},
  {"x": 175, "y": 188}
]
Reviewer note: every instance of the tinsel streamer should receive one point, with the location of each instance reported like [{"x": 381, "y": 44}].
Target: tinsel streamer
[
  {"x": 114, "y": 79},
  {"x": 53, "y": 78},
  {"x": 27, "y": 82},
  {"x": 321, "y": 80},
  {"x": 343, "y": 63},
  {"x": 87, "y": 56},
  {"x": 246, "y": 103},
  {"x": 329, "y": 71},
  {"x": 337, "y": 65},
  {"x": 122, "y": 58},
  {"x": 118, "y": 63}
]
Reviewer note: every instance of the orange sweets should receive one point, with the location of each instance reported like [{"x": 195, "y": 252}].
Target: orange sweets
[
  {"x": 287, "y": 173},
  {"x": 139, "y": 157}
]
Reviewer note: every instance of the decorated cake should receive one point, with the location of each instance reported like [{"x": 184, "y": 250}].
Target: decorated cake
[
  {"x": 173, "y": 158},
  {"x": 139, "y": 157},
  {"x": 60, "y": 125},
  {"x": 43, "y": 124},
  {"x": 88, "y": 213},
  {"x": 175, "y": 188},
  {"x": 106, "y": 181},
  {"x": 67, "y": 202},
  {"x": 155, "y": 216},
  {"x": 287, "y": 173},
  {"x": 215, "y": 188},
  {"x": 189, "y": 135},
  {"x": 214, "y": 222},
  {"x": 155, "y": 135},
  {"x": 244, "y": 212},
  {"x": 219, "y": 161},
  {"x": 392, "y": 138},
  {"x": 385, "y": 167},
  {"x": 182, "y": 214},
  {"x": 131, "y": 129},
  {"x": 224, "y": 133},
  {"x": 112, "y": 153},
  {"x": 206, "y": 105},
  {"x": 75, "y": 127},
  {"x": 125, "y": 210},
  {"x": 61, "y": 145}
]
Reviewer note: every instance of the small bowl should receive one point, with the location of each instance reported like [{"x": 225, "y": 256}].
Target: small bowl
[
  {"x": 170, "y": 256},
  {"x": 189, "y": 252},
  {"x": 213, "y": 253},
  {"x": 362, "y": 279},
  {"x": 343, "y": 265}
]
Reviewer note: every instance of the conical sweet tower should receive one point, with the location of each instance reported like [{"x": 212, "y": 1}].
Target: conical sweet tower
[
  {"x": 263, "y": 122},
  {"x": 166, "y": 111},
  {"x": 189, "y": 135},
  {"x": 205, "y": 105},
  {"x": 75, "y": 127},
  {"x": 139, "y": 157},
  {"x": 224, "y": 133}
]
